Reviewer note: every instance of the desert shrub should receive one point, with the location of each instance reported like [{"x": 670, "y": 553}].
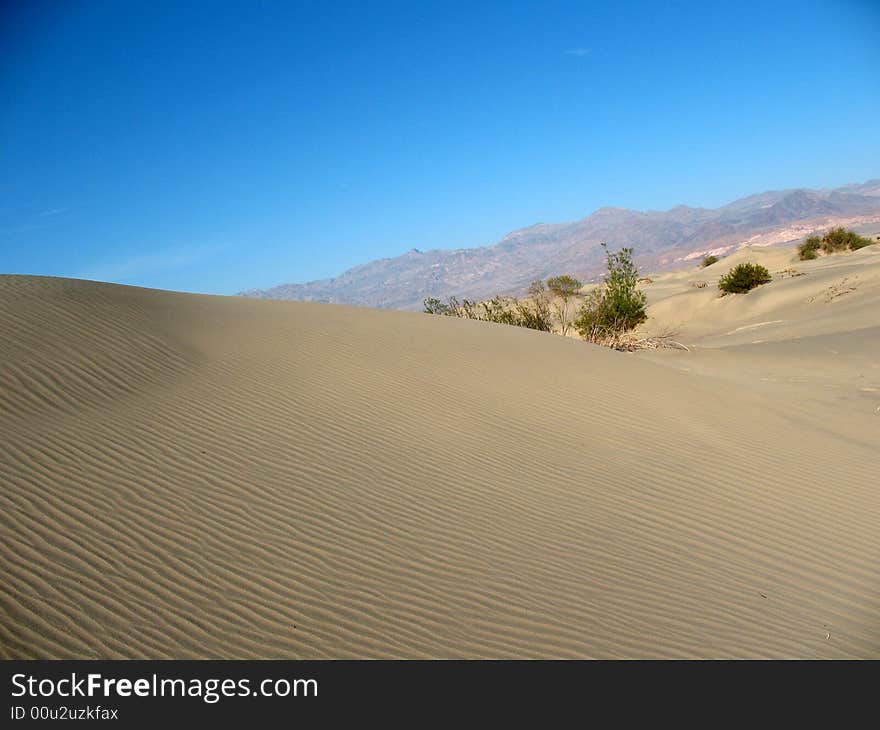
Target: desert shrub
[
  {"x": 532, "y": 315},
  {"x": 451, "y": 308},
  {"x": 835, "y": 240},
  {"x": 743, "y": 278},
  {"x": 860, "y": 242},
  {"x": 617, "y": 306},
  {"x": 708, "y": 261},
  {"x": 434, "y": 306},
  {"x": 496, "y": 310},
  {"x": 565, "y": 288},
  {"x": 465, "y": 308},
  {"x": 841, "y": 239},
  {"x": 810, "y": 248},
  {"x": 535, "y": 315}
]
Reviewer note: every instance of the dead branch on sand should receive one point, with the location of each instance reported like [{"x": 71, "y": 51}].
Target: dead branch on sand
[{"x": 631, "y": 342}]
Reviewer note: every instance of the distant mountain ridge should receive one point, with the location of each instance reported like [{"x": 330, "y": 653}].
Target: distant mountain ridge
[{"x": 660, "y": 239}]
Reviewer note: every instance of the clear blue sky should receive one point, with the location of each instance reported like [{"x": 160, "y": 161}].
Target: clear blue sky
[{"x": 217, "y": 146}]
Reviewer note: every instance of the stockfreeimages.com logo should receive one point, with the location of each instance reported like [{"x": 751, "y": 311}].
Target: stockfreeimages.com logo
[{"x": 209, "y": 690}]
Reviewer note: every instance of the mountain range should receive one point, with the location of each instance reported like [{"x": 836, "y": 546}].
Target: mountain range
[{"x": 661, "y": 239}]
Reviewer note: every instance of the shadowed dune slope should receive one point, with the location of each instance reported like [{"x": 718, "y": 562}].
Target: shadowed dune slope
[{"x": 193, "y": 476}]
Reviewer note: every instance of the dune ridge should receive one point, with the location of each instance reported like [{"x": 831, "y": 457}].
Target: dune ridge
[{"x": 193, "y": 476}]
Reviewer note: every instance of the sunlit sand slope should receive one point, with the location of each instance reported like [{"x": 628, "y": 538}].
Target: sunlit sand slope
[
  {"x": 809, "y": 340},
  {"x": 191, "y": 476}
]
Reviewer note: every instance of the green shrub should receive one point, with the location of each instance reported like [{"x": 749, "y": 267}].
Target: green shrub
[
  {"x": 434, "y": 306},
  {"x": 452, "y": 308},
  {"x": 835, "y": 240},
  {"x": 841, "y": 239},
  {"x": 743, "y": 278},
  {"x": 565, "y": 288},
  {"x": 860, "y": 242},
  {"x": 708, "y": 261},
  {"x": 465, "y": 309},
  {"x": 534, "y": 315},
  {"x": 617, "y": 306},
  {"x": 810, "y": 248}
]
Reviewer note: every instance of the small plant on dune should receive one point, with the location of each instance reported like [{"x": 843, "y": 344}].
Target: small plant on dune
[
  {"x": 841, "y": 239},
  {"x": 450, "y": 308},
  {"x": 860, "y": 242},
  {"x": 835, "y": 240},
  {"x": 810, "y": 248},
  {"x": 535, "y": 315},
  {"x": 432, "y": 305},
  {"x": 708, "y": 261},
  {"x": 464, "y": 309},
  {"x": 496, "y": 310},
  {"x": 743, "y": 278},
  {"x": 532, "y": 315},
  {"x": 565, "y": 288},
  {"x": 615, "y": 307}
]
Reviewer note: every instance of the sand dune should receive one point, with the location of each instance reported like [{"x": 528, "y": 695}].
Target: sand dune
[
  {"x": 793, "y": 305},
  {"x": 193, "y": 476},
  {"x": 810, "y": 339}
]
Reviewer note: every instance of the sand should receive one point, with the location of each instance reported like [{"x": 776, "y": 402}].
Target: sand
[
  {"x": 192, "y": 476},
  {"x": 809, "y": 340}
]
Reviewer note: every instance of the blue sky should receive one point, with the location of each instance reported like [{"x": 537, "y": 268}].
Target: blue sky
[{"x": 215, "y": 147}]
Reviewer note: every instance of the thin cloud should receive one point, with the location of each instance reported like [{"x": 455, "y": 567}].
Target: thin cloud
[
  {"x": 137, "y": 266},
  {"x": 578, "y": 52},
  {"x": 38, "y": 221},
  {"x": 27, "y": 228}
]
